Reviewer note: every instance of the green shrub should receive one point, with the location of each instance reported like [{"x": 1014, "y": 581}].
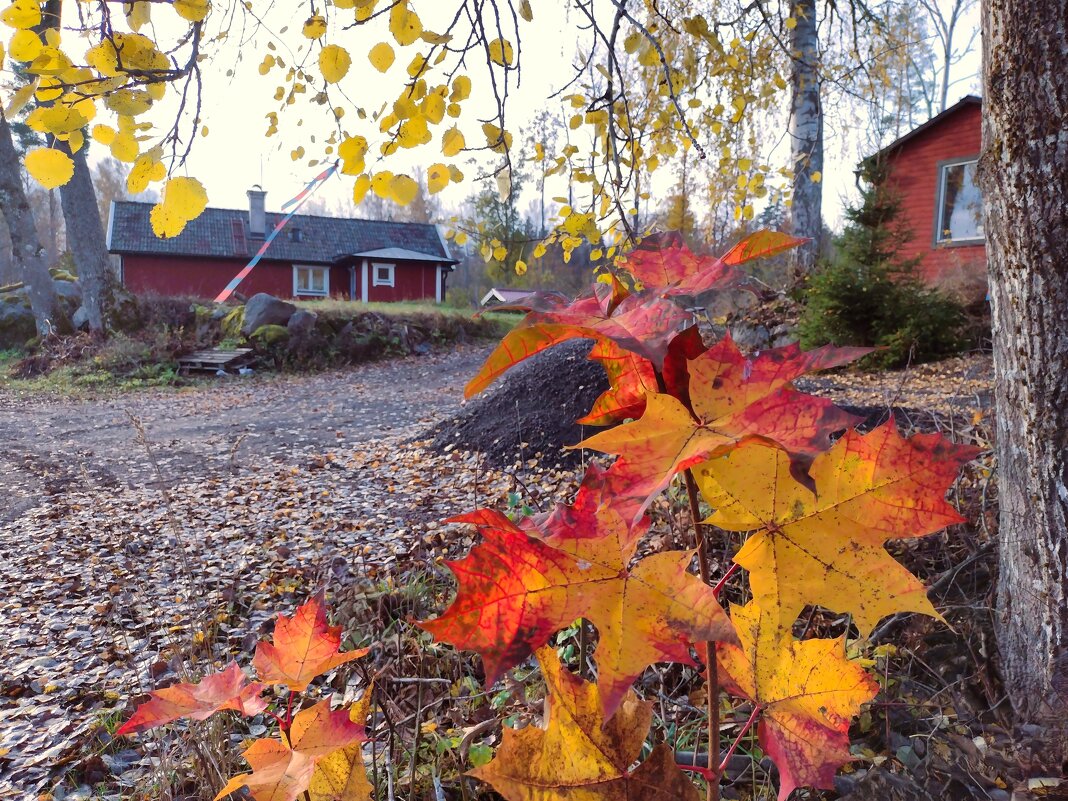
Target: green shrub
[{"x": 868, "y": 296}]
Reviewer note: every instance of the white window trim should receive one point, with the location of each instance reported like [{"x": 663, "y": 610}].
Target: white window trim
[
  {"x": 376, "y": 281},
  {"x": 308, "y": 293},
  {"x": 941, "y": 239}
]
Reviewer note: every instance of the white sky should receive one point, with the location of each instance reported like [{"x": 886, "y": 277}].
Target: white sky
[{"x": 235, "y": 154}]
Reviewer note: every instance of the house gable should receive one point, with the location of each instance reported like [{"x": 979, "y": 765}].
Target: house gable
[{"x": 916, "y": 169}]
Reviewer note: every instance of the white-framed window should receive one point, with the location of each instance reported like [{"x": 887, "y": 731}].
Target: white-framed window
[
  {"x": 382, "y": 274},
  {"x": 959, "y": 210},
  {"x": 311, "y": 281}
]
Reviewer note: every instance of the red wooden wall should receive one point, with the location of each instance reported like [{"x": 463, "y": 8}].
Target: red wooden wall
[
  {"x": 205, "y": 278},
  {"x": 412, "y": 281},
  {"x": 913, "y": 171}
]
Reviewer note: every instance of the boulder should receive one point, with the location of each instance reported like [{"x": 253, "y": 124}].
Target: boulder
[
  {"x": 80, "y": 319},
  {"x": 17, "y": 325},
  {"x": 750, "y": 336},
  {"x": 68, "y": 290},
  {"x": 302, "y": 322},
  {"x": 263, "y": 309}
]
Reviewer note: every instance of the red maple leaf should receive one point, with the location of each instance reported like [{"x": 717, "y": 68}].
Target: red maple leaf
[{"x": 214, "y": 693}]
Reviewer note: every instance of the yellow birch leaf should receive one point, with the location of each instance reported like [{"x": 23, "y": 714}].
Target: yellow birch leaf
[
  {"x": 20, "y": 99},
  {"x": 437, "y": 178},
  {"x": 404, "y": 24},
  {"x": 461, "y": 88},
  {"x": 192, "y": 10},
  {"x": 501, "y": 53},
  {"x": 104, "y": 134},
  {"x": 314, "y": 27},
  {"x": 452, "y": 142},
  {"x": 381, "y": 56},
  {"x": 352, "y": 151},
  {"x": 334, "y": 63},
  {"x": 75, "y": 140},
  {"x": 22, "y": 14},
  {"x": 24, "y": 46},
  {"x": 380, "y": 183},
  {"x": 403, "y": 189},
  {"x": 520, "y": 267},
  {"x": 146, "y": 169},
  {"x": 138, "y": 14},
  {"x": 359, "y": 190},
  {"x": 183, "y": 200},
  {"x": 51, "y": 168}
]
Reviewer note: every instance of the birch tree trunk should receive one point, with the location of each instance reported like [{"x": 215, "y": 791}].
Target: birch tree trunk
[
  {"x": 1024, "y": 177},
  {"x": 86, "y": 240},
  {"x": 806, "y": 134},
  {"x": 26, "y": 246}
]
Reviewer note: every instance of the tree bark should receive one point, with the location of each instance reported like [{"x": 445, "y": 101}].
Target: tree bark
[
  {"x": 29, "y": 253},
  {"x": 806, "y": 134},
  {"x": 87, "y": 242},
  {"x": 1024, "y": 177}
]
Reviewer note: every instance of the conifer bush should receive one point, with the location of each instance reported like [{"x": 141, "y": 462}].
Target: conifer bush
[{"x": 868, "y": 295}]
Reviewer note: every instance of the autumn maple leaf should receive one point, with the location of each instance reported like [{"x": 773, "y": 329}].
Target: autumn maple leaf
[
  {"x": 522, "y": 584},
  {"x": 304, "y": 647},
  {"x": 825, "y": 546},
  {"x": 283, "y": 769},
  {"x": 642, "y": 325},
  {"x": 761, "y": 244},
  {"x": 807, "y": 692},
  {"x": 733, "y": 398},
  {"x": 580, "y": 754},
  {"x": 341, "y": 775},
  {"x": 630, "y": 379},
  {"x": 228, "y": 689}
]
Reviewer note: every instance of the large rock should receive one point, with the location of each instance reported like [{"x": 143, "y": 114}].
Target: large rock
[
  {"x": 531, "y": 409},
  {"x": 302, "y": 322},
  {"x": 80, "y": 319},
  {"x": 264, "y": 309},
  {"x": 17, "y": 326},
  {"x": 68, "y": 290}
]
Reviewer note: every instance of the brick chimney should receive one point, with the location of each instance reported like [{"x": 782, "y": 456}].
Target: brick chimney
[{"x": 257, "y": 214}]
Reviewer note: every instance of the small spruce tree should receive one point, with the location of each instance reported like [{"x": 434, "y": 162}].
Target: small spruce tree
[{"x": 868, "y": 295}]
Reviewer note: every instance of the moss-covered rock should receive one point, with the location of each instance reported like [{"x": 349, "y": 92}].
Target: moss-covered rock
[
  {"x": 232, "y": 323},
  {"x": 270, "y": 334}
]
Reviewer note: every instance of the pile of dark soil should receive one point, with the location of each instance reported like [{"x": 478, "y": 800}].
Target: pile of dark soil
[{"x": 530, "y": 412}]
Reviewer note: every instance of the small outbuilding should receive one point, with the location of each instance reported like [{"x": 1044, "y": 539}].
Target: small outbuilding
[
  {"x": 311, "y": 257},
  {"x": 498, "y": 296},
  {"x": 933, "y": 169}
]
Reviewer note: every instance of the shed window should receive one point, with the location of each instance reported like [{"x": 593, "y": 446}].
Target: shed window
[
  {"x": 960, "y": 206},
  {"x": 313, "y": 281},
  {"x": 383, "y": 275}
]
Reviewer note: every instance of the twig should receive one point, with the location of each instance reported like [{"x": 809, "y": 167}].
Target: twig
[{"x": 712, "y": 700}]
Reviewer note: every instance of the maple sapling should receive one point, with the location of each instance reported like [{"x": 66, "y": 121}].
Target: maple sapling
[{"x": 318, "y": 752}]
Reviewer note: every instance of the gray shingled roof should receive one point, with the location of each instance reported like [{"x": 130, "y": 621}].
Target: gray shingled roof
[{"x": 223, "y": 233}]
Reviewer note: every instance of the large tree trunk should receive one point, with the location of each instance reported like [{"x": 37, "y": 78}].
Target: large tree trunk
[
  {"x": 1024, "y": 175},
  {"x": 29, "y": 254},
  {"x": 806, "y": 134},
  {"x": 87, "y": 242}
]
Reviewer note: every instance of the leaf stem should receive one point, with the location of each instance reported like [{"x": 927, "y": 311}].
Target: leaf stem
[
  {"x": 723, "y": 581},
  {"x": 712, "y": 700},
  {"x": 757, "y": 708}
]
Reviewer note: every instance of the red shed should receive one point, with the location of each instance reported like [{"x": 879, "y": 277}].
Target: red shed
[
  {"x": 312, "y": 257},
  {"x": 933, "y": 169}
]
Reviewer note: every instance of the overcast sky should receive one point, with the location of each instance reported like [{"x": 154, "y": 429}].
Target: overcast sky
[{"x": 235, "y": 155}]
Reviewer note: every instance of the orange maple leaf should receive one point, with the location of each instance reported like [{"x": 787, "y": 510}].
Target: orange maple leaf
[
  {"x": 630, "y": 377},
  {"x": 282, "y": 769},
  {"x": 228, "y": 689},
  {"x": 642, "y": 325},
  {"x": 734, "y": 398},
  {"x": 807, "y": 692},
  {"x": 520, "y": 585},
  {"x": 304, "y": 647},
  {"x": 760, "y": 244},
  {"x": 825, "y": 546},
  {"x": 582, "y": 755}
]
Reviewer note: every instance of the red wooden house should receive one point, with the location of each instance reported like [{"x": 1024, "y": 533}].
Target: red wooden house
[
  {"x": 933, "y": 169},
  {"x": 312, "y": 257}
]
